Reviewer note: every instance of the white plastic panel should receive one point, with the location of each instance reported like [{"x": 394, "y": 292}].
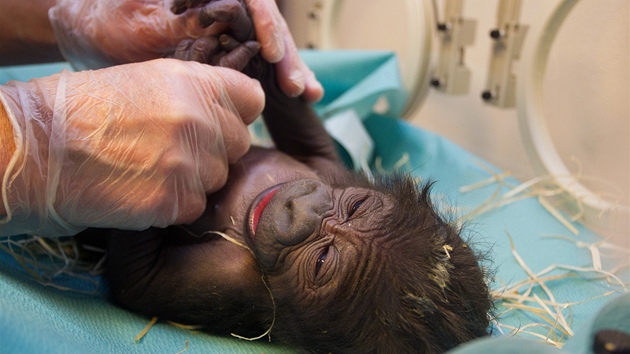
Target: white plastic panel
[
  {"x": 572, "y": 99},
  {"x": 401, "y": 26},
  {"x": 594, "y": 207}
]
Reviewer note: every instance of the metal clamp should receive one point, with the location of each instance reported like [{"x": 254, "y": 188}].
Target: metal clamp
[
  {"x": 508, "y": 39},
  {"x": 455, "y": 33}
]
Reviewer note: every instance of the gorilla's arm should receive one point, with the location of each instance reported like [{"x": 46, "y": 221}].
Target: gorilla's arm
[
  {"x": 295, "y": 128},
  {"x": 157, "y": 273},
  {"x": 292, "y": 123},
  {"x": 132, "y": 263}
]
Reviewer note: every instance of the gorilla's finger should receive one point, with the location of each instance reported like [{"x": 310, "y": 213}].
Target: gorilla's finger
[
  {"x": 231, "y": 12},
  {"x": 183, "y": 48},
  {"x": 203, "y": 49},
  {"x": 228, "y": 43},
  {"x": 180, "y": 6},
  {"x": 240, "y": 56}
]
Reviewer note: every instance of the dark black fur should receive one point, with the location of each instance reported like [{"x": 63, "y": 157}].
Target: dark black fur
[{"x": 395, "y": 305}]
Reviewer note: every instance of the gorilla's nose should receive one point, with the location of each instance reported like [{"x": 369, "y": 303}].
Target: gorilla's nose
[{"x": 299, "y": 210}]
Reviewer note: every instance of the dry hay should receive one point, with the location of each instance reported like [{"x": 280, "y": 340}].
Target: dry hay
[
  {"x": 56, "y": 262},
  {"x": 552, "y": 322},
  {"x": 552, "y": 196},
  {"x": 555, "y": 316}
]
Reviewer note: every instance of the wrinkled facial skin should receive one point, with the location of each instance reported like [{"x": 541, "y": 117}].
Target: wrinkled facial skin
[
  {"x": 336, "y": 263},
  {"x": 295, "y": 219},
  {"x": 303, "y": 211},
  {"x": 315, "y": 234}
]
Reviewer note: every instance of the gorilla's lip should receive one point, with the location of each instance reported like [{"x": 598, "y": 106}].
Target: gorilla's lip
[{"x": 258, "y": 206}]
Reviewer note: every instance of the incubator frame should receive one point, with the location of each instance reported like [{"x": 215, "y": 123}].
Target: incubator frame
[
  {"x": 591, "y": 208},
  {"x": 594, "y": 211}
]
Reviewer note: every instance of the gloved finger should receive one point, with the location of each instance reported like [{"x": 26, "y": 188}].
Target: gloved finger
[
  {"x": 295, "y": 77},
  {"x": 213, "y": 171},
  {"x": 245, "y": 93},
  {"x": 231, "y": 12},
  {"x": 270, "y": 29},
  {"x": 289, "y": 73},
  {"x": 277, "y": 46},
  {"x": 237, "y": 58},
  {"x": 192, "y": 208},
  {"x": 313, "y": 89},
  {"x": 234, "y": 139}
]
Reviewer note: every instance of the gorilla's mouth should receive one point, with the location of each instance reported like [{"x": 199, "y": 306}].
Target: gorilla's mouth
[{"x": 259, "y": 204}]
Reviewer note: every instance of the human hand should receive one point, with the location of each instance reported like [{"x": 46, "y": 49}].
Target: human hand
[
  {"x": 277, "y": 45},
  {"x": 94, "y": 34},
  {"x": 126, "y": 147}
]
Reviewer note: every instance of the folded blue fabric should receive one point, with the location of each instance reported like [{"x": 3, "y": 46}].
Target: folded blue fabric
[{"x": 36, "y": 319}]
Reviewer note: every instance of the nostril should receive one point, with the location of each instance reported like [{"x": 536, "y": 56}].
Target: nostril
[
  {"x": 302, "y": 211},
  {"x": 303, "y": 198}
]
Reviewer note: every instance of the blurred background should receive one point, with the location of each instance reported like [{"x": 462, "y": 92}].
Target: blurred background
[{"x": 585, "y": 89}]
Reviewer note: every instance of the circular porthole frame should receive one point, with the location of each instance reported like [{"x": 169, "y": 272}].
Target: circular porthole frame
[
  {"x": 593, "y": 210},
  {"x": 417, "y": 66}
]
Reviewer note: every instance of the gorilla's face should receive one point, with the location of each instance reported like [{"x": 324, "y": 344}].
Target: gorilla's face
[
  {"x": 319, "y": 228},
  {"x": 311, "y": 230}
]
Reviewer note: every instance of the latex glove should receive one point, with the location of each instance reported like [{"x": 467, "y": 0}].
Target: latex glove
[
  {"x": 93, "y": 34},
  {"x": 272, "y": 32},
  {"x": 126, "y": 147}
]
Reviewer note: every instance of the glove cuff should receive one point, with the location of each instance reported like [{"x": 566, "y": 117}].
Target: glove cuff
[
  {"x": 8, "y": 98},
  {"x": 25, "y": 188},
  {"x": 75, "y": 47}
]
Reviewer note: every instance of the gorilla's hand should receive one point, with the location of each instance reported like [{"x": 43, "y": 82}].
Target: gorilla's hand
[
  {"x": 242, "y": 17},
  {"x": 236, "y": 48}
]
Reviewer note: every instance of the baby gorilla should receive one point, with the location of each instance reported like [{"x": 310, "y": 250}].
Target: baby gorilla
[{"x": 329, "y": 260}]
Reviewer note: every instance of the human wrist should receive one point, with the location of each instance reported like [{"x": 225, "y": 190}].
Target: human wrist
[
  {"x": 7, "y": 145},
  {"x": 25, "y": 190},
  {"x": 10, "y": 99},
  {"x": 65, "y": 18}
]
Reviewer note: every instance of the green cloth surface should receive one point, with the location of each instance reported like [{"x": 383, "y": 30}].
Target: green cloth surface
[{"x": 40, "y": 319}]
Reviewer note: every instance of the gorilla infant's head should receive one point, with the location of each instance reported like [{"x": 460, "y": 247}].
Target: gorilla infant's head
[
  {"x": 359, "y": 268},
  {"x": 341, "y": 266},
  {"x": 329, "y": 260}
]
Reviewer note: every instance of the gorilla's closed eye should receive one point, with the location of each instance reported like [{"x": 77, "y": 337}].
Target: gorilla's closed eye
[
  {"x": 320, "y": 260},
  {"x": 355, "y": 207}
]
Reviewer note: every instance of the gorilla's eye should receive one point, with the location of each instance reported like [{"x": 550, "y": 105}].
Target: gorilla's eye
[
  {"x": 355, "y": 207},
  {"x": 320, "y": 261}
]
